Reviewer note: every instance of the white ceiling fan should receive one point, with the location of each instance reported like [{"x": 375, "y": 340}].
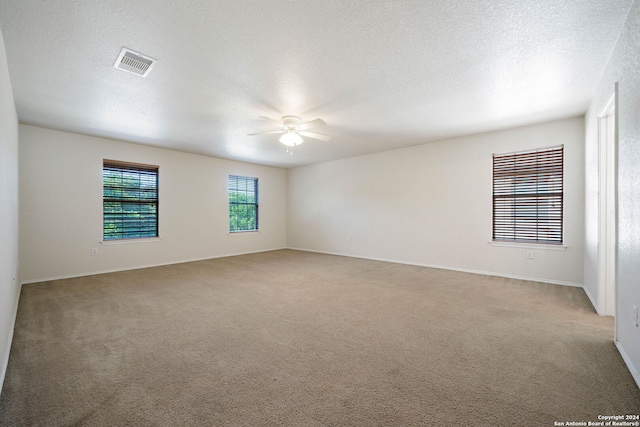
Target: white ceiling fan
[{"x": 292, "y": 130}]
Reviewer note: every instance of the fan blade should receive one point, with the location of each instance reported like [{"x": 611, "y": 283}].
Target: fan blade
[
  {"x": 265, "y": 133},
  {"x": 278, "y": 122},
  {"x": 315, "y": 135},
  {"x": 311, "y": 124}
]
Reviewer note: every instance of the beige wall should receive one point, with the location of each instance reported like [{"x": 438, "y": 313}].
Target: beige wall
[
  {"x": 61, "y": 206},
  {"x": 431, "y": 205},
  {"x": 624, "y": 68},
  {"x": 9, "y": 280}
]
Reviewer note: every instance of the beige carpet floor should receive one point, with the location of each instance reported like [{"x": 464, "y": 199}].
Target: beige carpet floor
[{"x": 290, "y": 338}]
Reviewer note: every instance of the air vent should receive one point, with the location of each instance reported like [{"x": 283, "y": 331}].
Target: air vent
[{"x": 134, "y": 62}]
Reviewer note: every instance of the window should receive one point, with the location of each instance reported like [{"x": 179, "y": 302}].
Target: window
[
  {"x": 528, "y": 196},
  {"x": 130, "y": 200},
  {"x": 243, "y": 203}
]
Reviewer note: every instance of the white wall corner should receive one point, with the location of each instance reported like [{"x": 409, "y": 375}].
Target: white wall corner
[{"x": 591, "y": 299}]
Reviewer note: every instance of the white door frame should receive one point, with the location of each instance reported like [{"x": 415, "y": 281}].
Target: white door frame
[{"x": 607, "y": 202}]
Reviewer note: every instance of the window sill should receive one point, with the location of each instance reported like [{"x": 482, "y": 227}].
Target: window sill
[
  {"x": 129, "y": 241},
  {"x": 530, "y": 246},
  {"x": 243, "y": 232}
]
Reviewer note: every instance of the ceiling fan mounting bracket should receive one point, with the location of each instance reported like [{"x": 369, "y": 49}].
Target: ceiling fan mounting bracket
[{"x": 291, "y": 122}]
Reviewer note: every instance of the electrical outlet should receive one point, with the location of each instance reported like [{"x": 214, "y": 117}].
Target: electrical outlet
[
  {"x": 529, "y": 254},
  {"x": 94, "y": 251},
  {"x": 635, "y": 315}
]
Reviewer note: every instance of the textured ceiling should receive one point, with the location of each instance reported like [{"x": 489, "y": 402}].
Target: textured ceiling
[{"x": 383, "y": 74}]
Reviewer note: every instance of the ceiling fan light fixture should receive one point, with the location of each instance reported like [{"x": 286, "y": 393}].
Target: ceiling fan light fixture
[{"x": 291, "y": 138}]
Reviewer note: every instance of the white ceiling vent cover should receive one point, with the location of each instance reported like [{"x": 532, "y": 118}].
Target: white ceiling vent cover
[{"x": 134, "y": 62}]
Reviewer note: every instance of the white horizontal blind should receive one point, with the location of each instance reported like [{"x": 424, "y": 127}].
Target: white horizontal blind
[
  {"x": 528, "y": 196},
  {"x": 130, "y": 200},
  {"x": 243, "y": 203}
]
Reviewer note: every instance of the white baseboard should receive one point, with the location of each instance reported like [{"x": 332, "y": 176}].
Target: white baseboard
[
  {"x": 591, "y": 299},
  {"x": 443, "y": 267},
  {"x": 464, "y": 270},
  {"x": 5, "y": 357},
  {"x": 115, "y": 270},
  {"x": 627, "y": 361}
]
